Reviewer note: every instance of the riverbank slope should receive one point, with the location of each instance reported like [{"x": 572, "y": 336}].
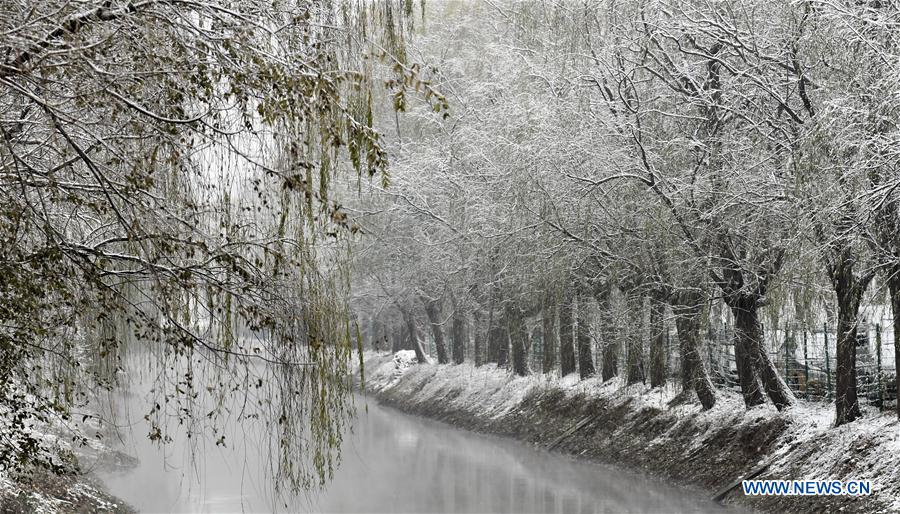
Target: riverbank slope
[
  {"x": 656, "y": 431},
  {"x": 37, "y": 490}
]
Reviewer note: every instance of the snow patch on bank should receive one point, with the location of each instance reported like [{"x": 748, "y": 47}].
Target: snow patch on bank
[
  {"x": 482, "y": 391},
  {"x": 494, "y": 392},
  {"x": 42, "y": 491},
  {"x": 47, "y": 493},
  {"x": 390, "y": 371}
]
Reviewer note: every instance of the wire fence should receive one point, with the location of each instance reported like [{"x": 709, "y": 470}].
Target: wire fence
[{"x": 807, "y": 359}]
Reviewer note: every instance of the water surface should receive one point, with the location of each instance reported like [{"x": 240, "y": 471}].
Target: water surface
[{"x": 393, "y": 462}]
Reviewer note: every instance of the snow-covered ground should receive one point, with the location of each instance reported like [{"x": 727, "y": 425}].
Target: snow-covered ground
[
  {"x": 809, "y": 447},
  {"x": 485, "y": 390},
  {"x": 492, "y": 392},
  {"x": 42, "y": 491}
]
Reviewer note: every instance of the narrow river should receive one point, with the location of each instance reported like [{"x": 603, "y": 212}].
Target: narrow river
[{"x": 392, "y": 462}]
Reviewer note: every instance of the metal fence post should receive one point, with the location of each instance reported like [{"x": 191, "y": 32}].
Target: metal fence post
[
  {"x": 787, "y": 375},
  {"x": 805, "y": 366},
  {"x": 878, "y": 363},
  {"x": 827, "y": 365}
]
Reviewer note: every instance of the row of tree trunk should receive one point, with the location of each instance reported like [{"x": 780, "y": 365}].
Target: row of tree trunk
[{"x": 566, "y": 339}]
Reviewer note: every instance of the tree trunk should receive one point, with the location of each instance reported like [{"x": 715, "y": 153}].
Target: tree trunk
[
  {"x": 493, "y": 328},
  {"x": 566, "y": 343},
  {"x": 749, "y": 335},
  {"x": 609, "y": 354},
  {"x": 849, "y": 290},
  {"x": 658, "y": 359},
  {"x": 503, "y": 343},
  {"x": 377, "y": 330},
  {"x": 610, "y": 357},
  {"x": 634, "y": 360},
  {"x": 406, "y": 342},
  {"x": 517, "y": 337},
  {"x": 477, "y": 336},
  {"x": 585, "y": 352},
  {"x": 397, "y": 339},
  {"x": 746, "y": 374},
  {"x": 459, "y": 336},
  {"x": 433, "y": 311},
  {"x": 414, "y": 336},
  {"x": 688, "y": 308},
  {"x": 751, "y": 356},
  {"x": 499, "y": 340},
  {"x": 493, "y": 340},
  {"x": 549, "y": 340}
]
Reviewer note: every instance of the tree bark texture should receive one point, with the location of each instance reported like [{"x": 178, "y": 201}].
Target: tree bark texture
[
  {"x": 749, "y": 336},
  {"x": 688, "y": 308},
  {"x": 433, "y": 311},
  {"x": 517, "y": 336},
  {"x": 413, "y": 334},
  {"x": 634, "y": 360},
  {"x": 459, "y": 336},
  {"x": 566, "y": 343},
  {"x": 478, "y": 337},
  {"x": 658, "y": 357},
  {"x": 585, "y": 351},
  {"x": 609, "y": 353},
  {"x": 549, "y": 340},
  {"x": 397, "y": 337},
  {"x": 849, "y": 289}
]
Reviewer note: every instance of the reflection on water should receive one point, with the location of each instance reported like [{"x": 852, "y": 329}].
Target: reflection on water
[
  {"x": 392, "y": 463},
  {"x": 400, "y": 463}
]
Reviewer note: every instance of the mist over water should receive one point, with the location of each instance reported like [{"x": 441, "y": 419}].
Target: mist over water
[
  {"x": 392, "y": 462},
  {"x": 188, "y": 474}
]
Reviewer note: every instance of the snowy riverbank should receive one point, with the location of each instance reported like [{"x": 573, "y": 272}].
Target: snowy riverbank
[
  {"x": 41, "y": 491},
  {"x": 655, "y": 431}
]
